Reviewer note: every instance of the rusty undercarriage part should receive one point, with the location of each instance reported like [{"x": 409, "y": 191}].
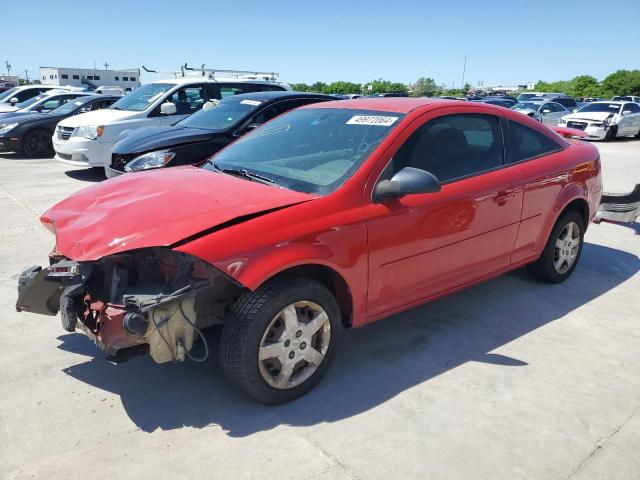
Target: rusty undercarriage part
[
  {"x": 153, "y": 298},
  {"x": 619, "y": 207}
]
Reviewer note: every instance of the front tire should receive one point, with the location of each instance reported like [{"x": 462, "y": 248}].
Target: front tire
[
  {"x": 279, "y": 341},
  {"x": 562, "y": 251},
  {"x": 611, "y": 133},
  {"x": 37, "y": 144}
]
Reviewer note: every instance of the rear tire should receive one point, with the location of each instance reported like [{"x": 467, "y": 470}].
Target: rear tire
[
  {"x": 562, "y": 251},
  {"x": 37, "y": 144},
  {"x": 269, "y": 354}
]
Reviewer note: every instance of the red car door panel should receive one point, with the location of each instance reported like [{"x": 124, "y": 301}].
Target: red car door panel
[
  {"x": 421, "y": 245},
  {"x": 424, "y": 244}
]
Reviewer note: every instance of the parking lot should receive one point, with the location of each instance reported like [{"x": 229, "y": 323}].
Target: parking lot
[{"x": 509, "y": 379}]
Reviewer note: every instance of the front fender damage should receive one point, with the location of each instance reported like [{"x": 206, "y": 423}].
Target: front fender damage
[{"x": 154, "y": 299}]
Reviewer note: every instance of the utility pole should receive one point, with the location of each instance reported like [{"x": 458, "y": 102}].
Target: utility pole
[
  {"x": 464, "y": 70},
  {"x": 8, "y": 65},
  {"x": 106, "y": 65},
  {"x": 26, "y": 76}
]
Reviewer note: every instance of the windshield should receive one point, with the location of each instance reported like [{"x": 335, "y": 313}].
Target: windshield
[
  {"x": 68, "y": 107},
  {"x": 31, "y": 101},
  {"x": 310, "y": 150},
  {"x": 8, "y": 93},
  {"x": 601, "y": 107},
  {"x": 226, "y": 113},
  {"x": 142, "y": 98},
  {"x": 526, "y": 106},
  {"x": 526, "y": 96}
]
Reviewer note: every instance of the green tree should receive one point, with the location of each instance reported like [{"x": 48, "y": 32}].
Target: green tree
[
  {"x": 343, "y": 88},
  {"x": 425, "y": 87},
  {"x": 317, "y": 87},
  {"x": 580, "y": 84},
  {"x": 300, "y": 87},
  {"x": 385, "y": 86},
  {"x": 622, "y": 82}
]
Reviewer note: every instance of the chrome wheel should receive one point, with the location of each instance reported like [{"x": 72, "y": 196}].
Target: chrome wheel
[
  {"x": 567, "y": 248},
  {"x": 294, "y": 344}
]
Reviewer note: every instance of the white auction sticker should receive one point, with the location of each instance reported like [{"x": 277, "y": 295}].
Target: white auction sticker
[
  {"x": 253, "y": 103},
  {"x": 378, "y": 120}
]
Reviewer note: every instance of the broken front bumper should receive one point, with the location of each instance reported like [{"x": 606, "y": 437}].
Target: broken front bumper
[
  {"x": 619, "y": 207},
  {"x": 154, "y": 300}
]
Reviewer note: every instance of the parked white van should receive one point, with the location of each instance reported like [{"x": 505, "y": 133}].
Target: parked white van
[{"x": 86, "y": 139}]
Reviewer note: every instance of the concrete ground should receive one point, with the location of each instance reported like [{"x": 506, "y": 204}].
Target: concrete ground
[{"x": 510, "y": 379}]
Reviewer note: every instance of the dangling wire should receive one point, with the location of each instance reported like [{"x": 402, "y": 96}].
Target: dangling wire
[{"x": 199, "y": 332}]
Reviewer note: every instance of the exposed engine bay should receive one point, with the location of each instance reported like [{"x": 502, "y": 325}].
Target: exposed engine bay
[{"x": 153, "y": 299}]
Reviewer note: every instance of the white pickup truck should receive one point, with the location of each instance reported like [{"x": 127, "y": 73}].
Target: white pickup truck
[{"x": 86, "y": 139}]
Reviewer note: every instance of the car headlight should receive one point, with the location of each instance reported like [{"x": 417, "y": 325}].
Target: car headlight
[
  {"x": 149, "y": 160},
  {"x": 4, "y": 128},
  {"x": 562, "y": 121},
  {"x": 88, "y": 131},
  {"x": 597, "y": 124}
]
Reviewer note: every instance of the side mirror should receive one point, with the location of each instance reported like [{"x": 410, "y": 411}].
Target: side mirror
[
  {"x": 545, "y": 111},
  {"x": 246, "y": 129},
  {"x": 14, "y": 100},
  {"x": 168, "y": 108},
  {"x": 626, "y": 112},
  {"x": 84, "y": 110},
  {"x": 407, "y": 181}
]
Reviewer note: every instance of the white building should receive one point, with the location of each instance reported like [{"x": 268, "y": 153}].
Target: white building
[{"x": 82, "y": 77}]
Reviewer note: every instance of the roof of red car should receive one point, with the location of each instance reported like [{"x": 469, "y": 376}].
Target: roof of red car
[{"x": 388, "y": 104}]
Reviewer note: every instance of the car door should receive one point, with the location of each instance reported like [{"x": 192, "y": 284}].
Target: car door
[
  {"x": 424, "y": 244},
  {"x": 188, "y": 99},
  {"x": 630, "y": 121}
]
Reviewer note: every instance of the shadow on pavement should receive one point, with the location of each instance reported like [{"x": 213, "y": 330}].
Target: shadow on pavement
[
  {"x": 373, "y": 364},
  {"x": 87, "y": 174}
]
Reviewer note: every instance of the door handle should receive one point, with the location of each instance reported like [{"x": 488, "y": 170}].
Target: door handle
[{"x": 501, "y": 198}]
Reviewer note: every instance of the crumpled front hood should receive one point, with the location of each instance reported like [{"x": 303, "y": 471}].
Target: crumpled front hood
[
  {"x": 592, "y": 116},
  {"x": 153, "y": 138},
  {"x": 157, "y": 208}
]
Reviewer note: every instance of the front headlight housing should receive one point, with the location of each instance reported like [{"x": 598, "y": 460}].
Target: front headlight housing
[
  {"x": 597, "y": 124},
  {"x": 90, "y": 132},
  {"x": 6, "y": 127},
  {"x": 150, "y": 160}
]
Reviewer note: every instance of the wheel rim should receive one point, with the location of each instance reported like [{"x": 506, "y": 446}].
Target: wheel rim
[
  {"x": 37, "y": 144},
  {"x": 567, "y": 248},
  {"x": 294, "y": 344}
]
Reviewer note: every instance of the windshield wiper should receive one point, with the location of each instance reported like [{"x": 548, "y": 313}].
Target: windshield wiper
[{"x": 243, "y": 172}]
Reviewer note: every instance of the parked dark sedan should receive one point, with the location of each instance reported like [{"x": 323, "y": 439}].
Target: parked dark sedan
[
  {"x": 197, "y": 137},
  {"x": 31, "y": 134}
]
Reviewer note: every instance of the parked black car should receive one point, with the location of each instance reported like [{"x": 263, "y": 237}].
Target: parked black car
[
  {"x": 31, "y": 134},
  {"x": 197, "y": 137}
]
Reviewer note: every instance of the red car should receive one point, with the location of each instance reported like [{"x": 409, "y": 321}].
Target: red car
[{"x": 328, "y": 217}]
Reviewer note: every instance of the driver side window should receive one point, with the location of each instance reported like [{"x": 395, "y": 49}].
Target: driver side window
[
  {"x": 453, "y": 146},
  {"x": 188, "y": 99}
]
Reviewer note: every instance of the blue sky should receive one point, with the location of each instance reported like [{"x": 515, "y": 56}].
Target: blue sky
[{"x": 506, "y": 42}]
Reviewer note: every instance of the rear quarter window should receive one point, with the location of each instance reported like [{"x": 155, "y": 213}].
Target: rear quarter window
[{"x": 527, "y": 143}]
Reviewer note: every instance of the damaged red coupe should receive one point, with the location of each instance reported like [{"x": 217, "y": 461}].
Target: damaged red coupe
[{"x": 328, "y": 217}]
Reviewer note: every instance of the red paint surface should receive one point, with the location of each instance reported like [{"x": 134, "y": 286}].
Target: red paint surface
[{"x": 392, "y": 256}]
